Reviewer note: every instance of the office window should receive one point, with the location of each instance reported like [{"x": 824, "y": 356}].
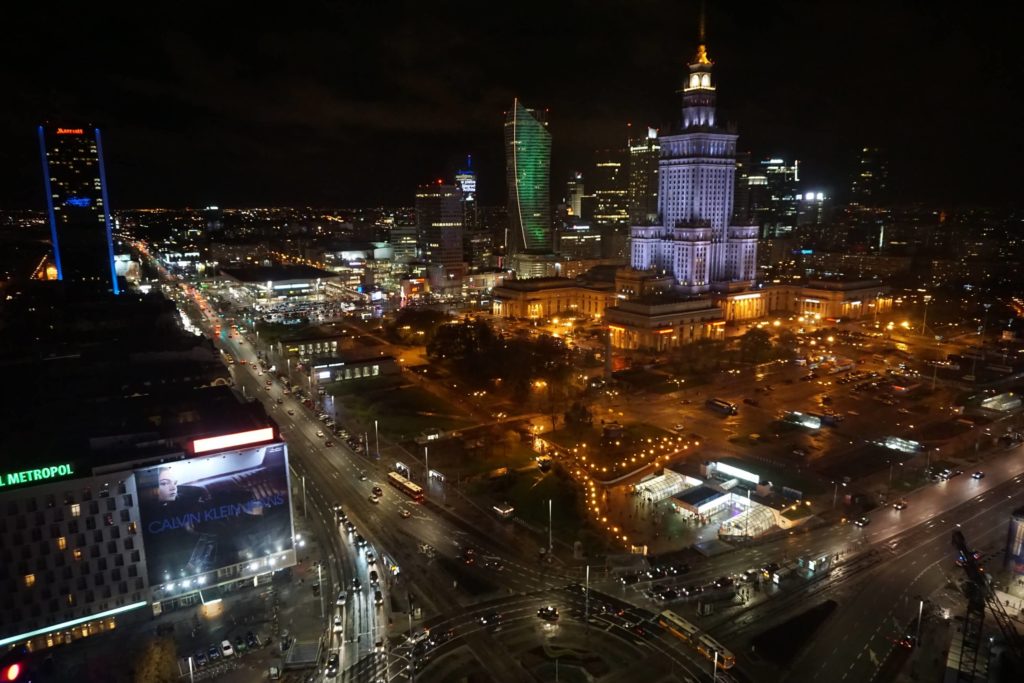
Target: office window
[
  {"x": 76, "y": 510},
  {"x": 29, "y": 580}
]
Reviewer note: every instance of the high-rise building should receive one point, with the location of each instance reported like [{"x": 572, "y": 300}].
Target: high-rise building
[
  {"x": 577, "y": 240},
  {"x": 527, "y": 170},
  {"x": 869, "y": 186},
  {"x": 643, "y": 178},
  {"x": 466, "y": 182},
  {"x": 774, "y": 196},
  {"x": 574, "y": 194},
  {"x": 609, "y": 183},
  {"x": 695, "y": 240},
  {"x": 77, "y": 205},
  {"x": 439, "y": 214},
  {"x": 813, "y": 208}
]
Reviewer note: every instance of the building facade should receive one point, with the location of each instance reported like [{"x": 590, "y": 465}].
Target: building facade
[
  {"x": 528, "y": 173},
  {"x": 574, "y": 190},
  {"x": 90, "y": 542},
  {"x": 660, "y": 323},
  {"x": 694, "y": 239},
  {"x": 77, "y": 206},
  {"x": 551, "y": 296},
  {"x": 440, "y": 213},
  {"x": 643, "y": 178}
]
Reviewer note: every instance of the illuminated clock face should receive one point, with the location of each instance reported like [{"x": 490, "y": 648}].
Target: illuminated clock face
[{"x": 694, "y": 81}]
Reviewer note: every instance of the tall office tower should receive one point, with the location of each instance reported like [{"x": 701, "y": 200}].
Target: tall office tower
[
  {"x": 774, "y": 196},
  {"x": 814, "y": 208},
  {"x": 695, "y": 240},
  {"x": 643, "y": 178},
  {"x": 527, "y": 170},
  {"x": 870, "y": 183},
  {"x": 609, "y": 183},
  {"x": 77, "y": 206},
  {"x": 741, "y": 213},
  {"x": 466, "y": 182},
  {"x": 439, "y": 224},
  {"x": 574, "y": 194}
]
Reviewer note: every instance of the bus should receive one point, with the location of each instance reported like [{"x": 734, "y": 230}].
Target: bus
[
  {"x": 405, "y": 486},
  {"x": 678, "y": 626},
  {"x": 709, "y": 647},
  {"x": 721, "y": 406}
]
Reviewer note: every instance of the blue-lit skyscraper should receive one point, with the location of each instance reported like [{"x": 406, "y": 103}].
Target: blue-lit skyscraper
[
  {"x": 465, "y": 180},
  {"x": 77, "y": 206}
]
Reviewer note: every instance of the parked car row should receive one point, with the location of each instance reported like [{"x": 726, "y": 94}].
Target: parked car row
[{"x": 227, "y": 649}]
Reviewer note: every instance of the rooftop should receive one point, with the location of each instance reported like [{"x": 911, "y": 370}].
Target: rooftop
[
  {"x": 698, "y": 495},
  {"x": 260, "y": 274}
]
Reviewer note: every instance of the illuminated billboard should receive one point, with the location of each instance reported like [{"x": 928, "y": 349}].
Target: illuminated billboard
[{"x": 215, "y": 511}]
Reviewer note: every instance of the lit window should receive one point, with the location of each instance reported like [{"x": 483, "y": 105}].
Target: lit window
[
  {"x": 62, "y": 543},
  {"x": 76, "y": 509},
  {"x": 77, "y": 553},
  {"x": 30, "y": 580}
]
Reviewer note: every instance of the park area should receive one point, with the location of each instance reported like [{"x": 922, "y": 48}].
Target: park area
[{"x": 402, "y": 410}]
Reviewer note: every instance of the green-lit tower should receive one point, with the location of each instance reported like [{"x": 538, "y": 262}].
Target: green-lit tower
[{"x": 527, "y": 169}]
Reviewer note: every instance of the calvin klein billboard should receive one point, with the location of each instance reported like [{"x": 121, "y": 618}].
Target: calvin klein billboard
[{"x": 214, "y": 511}]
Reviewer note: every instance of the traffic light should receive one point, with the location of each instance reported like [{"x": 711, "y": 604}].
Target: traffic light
[{"x": 14, "y": 666}]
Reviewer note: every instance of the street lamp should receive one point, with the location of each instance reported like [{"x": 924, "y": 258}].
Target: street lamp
[{"x": 924, "y": 321}]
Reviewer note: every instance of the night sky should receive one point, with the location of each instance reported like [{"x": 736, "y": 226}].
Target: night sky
[{"x": 351, "y": 105}]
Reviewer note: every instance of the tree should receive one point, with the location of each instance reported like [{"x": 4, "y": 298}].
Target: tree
[
  {"x": 578, "y": 415},
  {"x": 756, "y": 346}
]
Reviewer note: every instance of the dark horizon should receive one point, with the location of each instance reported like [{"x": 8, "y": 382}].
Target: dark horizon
[{"x": 355, "y": 107}]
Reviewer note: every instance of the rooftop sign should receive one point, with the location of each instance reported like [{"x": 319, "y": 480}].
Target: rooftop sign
[
  {"x": 41, "y": 474},
  {"x": 216, "y": 443}
]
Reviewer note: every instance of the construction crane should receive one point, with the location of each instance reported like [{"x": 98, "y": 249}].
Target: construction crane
[{"x": 979, "y": 595}]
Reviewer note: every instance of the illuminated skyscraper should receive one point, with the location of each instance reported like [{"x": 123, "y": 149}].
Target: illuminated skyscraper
[
  {"x": 77, "y": 206},
  {"x": 871, "y": 178},
  {"x": 643, "y": 177},
  {"x": 574, "y": 194},
  {"x": 694, "y": 239},
  {"x": 465, "y": 180},
  {"x": 527, "y": 170},
  {"x": 609, "y": 183},
  {"x": 439, "y": 223}
]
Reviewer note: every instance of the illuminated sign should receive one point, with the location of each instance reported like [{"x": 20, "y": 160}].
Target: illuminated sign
[
  {"x": 204, "y": 514},
  {"x": 325, "y": 374},
  {"x": 214, "y": 443},
  {"x": 741, "y": 297},
  {"x": 70, "y": 131},
  {"x": 78, "y": 201},
  {"x": 731, "y": 471},
  {"x": 41, "y": 474}
]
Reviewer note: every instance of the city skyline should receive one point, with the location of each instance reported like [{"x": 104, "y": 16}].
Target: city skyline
[{"x": 290, "y": 115}]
